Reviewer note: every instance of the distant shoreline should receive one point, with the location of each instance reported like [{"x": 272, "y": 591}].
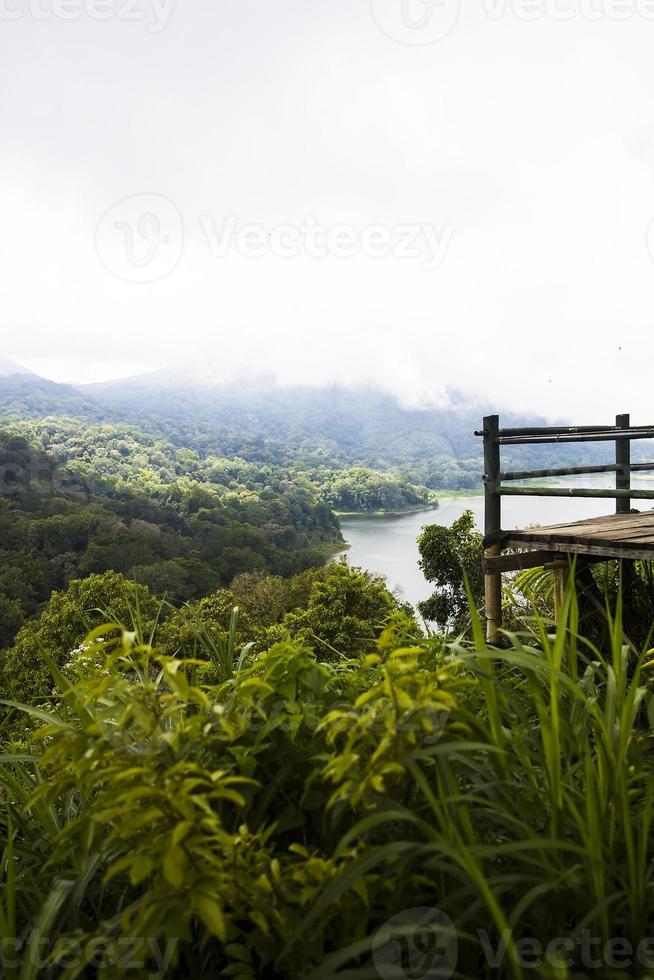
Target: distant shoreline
[
  {"x": 385, "y": 513},
  {"x": 444, "y": 495}
]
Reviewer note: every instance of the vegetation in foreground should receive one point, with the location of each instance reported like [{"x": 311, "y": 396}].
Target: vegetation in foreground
[{"x": 428, "y": 806}]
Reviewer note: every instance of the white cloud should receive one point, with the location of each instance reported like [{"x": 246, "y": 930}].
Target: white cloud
[{"x": 534, "y": 140}]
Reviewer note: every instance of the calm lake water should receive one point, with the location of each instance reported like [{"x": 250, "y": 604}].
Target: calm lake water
[{"x": 387, "y": 545}]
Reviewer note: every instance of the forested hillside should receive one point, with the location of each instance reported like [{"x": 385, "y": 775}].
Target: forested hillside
[
  {"x": 80, "y": 500},
  {"x": 295, "y": 428}
]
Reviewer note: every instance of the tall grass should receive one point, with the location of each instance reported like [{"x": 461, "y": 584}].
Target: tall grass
[{"x": 291, "y": 818}]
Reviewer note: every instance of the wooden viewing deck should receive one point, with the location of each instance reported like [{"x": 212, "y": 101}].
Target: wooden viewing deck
[{"x": 626, "y": 534}]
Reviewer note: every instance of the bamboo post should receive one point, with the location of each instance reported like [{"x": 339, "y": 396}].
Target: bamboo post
[
  {"x": 623, "y": 463},
  {"x": 492, "y": 524},
  {"x": 560, "y": 582}
]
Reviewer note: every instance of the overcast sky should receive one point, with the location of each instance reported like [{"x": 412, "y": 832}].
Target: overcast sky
[{"x": 235, "y": 182}]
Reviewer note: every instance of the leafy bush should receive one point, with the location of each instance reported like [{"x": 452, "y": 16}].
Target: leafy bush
[
  {"x": 310, "y": 820},
  {"x": 64, "y": 623}
]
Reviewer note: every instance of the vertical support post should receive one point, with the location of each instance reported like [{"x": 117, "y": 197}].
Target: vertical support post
[
  {"x": 561, "y": 572},
  {"x": 623, "y": 505},
  {"x": 623, "y": 463},
  {"x": 492, "y": 524}
]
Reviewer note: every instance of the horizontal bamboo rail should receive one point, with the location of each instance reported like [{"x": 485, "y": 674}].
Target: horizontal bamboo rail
[
  {"x": 625, "y": 494},
  {"x": 606, "y": 435},
  {"x": 551, "y": 430},
  {"x": 574, "y": 471}
]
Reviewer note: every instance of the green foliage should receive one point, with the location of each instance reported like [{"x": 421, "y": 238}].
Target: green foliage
[
  {"x": 63, "y": 625},
  {"x": 196, "y": 630},
  {"x": 275, "y": 823},
  {"x": 297, "y": 429},
  {"x": 345, "y": 613},
  {"x": 450, "y": 556},
  {"x": 361, "y": 490},
  {"x": 338, "y": 611},
  {"x": 317, "y": 608},
  {"x": 78, "y": 500}
]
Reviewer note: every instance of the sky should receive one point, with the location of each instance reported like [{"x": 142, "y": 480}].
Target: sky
[{"x": 420, "y": 194}]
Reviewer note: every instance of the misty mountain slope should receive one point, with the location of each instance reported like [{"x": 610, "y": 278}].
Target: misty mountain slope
[
  {"x": 349, "y": 420},
  {"x": 265, "y": 423},
  {"x": 29, "y": 396},
  {"x": 348, "y": 425},
  {"x": 8, "y": 366}
]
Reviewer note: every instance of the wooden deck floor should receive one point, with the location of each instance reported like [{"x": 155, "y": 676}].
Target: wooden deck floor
[{"x": 615, "y": 536}]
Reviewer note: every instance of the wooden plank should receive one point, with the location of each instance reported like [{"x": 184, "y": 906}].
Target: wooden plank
[
  {"x": 597, "y": 533},
  {"x": 617, "y": 521},
  {"x": 636, "y": 553},
  {"x": 619, "y": 534},
  {"x": 557, "y": 540}
]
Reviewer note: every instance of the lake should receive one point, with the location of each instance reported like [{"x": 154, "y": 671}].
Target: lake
[{"x": 387, "y": 545}]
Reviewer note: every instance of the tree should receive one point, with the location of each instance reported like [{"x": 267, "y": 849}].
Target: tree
[
  {"x": 449, "y": 555},
  {"x": 63, "y": 625},
  {"x": 346, "y": 612},
  {"x": 11, "y": 618}
]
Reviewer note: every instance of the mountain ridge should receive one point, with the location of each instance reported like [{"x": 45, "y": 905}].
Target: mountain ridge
[{"x": 10, "y": 367}]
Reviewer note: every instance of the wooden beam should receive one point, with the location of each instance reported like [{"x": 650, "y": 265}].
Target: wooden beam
[
  {"x": 607, "y": 435},
  {"x": 605, "y": 551},
  {"x": 573, "y": 492},
  {"x": 561, "y": 573},
  {"x": 519, "y": 560},
  {"x": 492, "y": 525},
  {"x": 622, "y": 462},
  {"x": 493, "y": 597}
]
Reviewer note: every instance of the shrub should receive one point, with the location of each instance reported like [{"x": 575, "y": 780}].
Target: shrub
[
  {"x": 443, "y": 804},
  {"x": 62, "y": 626}
]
